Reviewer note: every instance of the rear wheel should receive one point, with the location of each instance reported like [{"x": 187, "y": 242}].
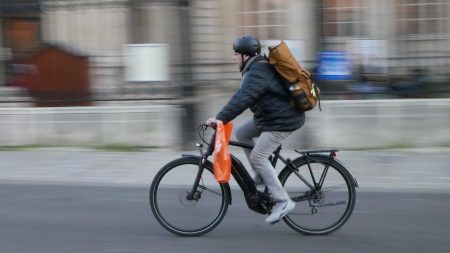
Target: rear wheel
[
  {"x": 178, "y": 213},
  {"x": 325, "y": 208}
]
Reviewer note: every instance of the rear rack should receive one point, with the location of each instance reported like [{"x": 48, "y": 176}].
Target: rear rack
[{"x": 307, "y": 152}]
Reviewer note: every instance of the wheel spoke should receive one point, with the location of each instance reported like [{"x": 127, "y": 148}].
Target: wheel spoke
[
  {"x": 298, "y": 196},
  {"x": 335, "y": 203},
  {"x": 332, "y": 188},
  {"x": 209, "y": 190}
]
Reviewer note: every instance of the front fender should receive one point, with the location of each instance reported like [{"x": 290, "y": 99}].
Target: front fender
[{"x": 191, "y": 155}]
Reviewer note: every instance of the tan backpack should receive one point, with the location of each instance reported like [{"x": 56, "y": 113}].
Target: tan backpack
[{"x": 304, "y": 91}]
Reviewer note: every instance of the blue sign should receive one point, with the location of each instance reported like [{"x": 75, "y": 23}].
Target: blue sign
[{"x": 333, "y": 65}]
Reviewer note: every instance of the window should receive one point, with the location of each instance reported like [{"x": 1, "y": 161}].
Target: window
[
  {"x": 343, "y": 18},
  {"x": 422, "y": 16},
  {"x": 20, "y": 33},
  {"x": 264, "y": 19}
]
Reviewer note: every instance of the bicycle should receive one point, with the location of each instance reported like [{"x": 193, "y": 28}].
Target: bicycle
[{"x": 322, "y": 187}]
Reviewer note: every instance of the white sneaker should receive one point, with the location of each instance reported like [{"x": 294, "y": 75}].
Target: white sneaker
[{"x": 279, "y": 210}]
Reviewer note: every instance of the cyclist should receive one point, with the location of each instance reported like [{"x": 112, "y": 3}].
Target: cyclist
[{"x": 262, "y": 90}]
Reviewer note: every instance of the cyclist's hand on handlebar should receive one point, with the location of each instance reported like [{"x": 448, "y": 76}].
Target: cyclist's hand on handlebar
[{"x": 211, "y": 122}]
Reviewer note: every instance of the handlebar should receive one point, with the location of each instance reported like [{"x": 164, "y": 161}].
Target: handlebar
[
  {"x": 201, "y": 133},
  {"x": 213, "y": 125}
]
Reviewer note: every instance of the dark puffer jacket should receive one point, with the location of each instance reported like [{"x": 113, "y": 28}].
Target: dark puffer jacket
[{"x": 264, "y": 93}]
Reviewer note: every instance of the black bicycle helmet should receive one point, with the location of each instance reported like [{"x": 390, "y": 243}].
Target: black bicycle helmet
[{"x": 248, "y": 45}]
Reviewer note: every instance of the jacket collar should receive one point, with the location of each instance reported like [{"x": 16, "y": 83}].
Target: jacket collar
[{"x": 250, "y": 62}]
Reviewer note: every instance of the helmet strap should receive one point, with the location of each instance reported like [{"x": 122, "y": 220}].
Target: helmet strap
[{"x": 243, "y": 62}]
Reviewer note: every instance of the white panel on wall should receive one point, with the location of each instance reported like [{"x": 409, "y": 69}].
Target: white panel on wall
[{"x": 146, "y": 62}]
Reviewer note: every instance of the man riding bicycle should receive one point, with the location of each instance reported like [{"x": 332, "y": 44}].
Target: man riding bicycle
[{"x": 263, "y": 91}]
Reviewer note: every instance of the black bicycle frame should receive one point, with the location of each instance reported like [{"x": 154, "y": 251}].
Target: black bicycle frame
[
  {"x": 238, "y": 171},
  {"x": 243, "y": 178}
]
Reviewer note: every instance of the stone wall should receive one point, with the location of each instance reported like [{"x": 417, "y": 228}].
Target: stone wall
[
  {"x": 147, "y": 126},
  {"x": 341, "y": 124}
]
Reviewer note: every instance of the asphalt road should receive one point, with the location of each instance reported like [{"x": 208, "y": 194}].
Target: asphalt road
[{"x": 62, "y": 218}]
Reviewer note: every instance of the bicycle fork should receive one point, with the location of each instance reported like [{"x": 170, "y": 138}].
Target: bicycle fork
[{"x": 194, "y": 194}]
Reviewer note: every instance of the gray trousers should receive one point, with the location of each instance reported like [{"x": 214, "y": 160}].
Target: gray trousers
[{"x": 266, "y": 143}]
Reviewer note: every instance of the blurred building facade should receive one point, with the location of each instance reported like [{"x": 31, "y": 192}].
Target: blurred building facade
[{"x": 389, "y": 42}]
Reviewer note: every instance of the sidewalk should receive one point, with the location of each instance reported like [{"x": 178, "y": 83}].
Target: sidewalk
[{"x": 420, "y": 169}]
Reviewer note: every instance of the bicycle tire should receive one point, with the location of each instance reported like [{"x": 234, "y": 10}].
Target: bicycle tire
[
  {"x": 178, "y": 215},
  {"x": 317, "y": 208}
]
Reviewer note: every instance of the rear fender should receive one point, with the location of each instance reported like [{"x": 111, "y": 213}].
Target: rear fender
[{"x": 349, "y": 172}]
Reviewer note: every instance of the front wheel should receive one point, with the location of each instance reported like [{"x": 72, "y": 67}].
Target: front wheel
[
  {"x": 327, "y": 206},
  {"x": 179, "y": 213}
]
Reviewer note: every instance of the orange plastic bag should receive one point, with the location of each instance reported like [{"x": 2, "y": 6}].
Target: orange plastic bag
[{"x": 222, "y": 159}]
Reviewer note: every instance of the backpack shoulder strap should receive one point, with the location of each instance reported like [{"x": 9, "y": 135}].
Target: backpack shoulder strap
[{"x": 263, "y": 61}]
